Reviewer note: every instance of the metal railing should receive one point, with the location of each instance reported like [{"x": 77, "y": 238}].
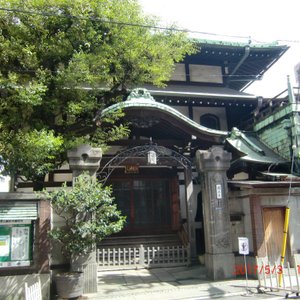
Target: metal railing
[{"x": 276, "y": 277}]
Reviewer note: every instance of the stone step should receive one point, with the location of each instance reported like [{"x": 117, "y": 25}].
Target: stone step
[{"x": 146, "y": 240}]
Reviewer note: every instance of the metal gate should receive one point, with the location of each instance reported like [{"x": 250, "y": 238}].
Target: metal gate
[{"x": 277, "y": 277}]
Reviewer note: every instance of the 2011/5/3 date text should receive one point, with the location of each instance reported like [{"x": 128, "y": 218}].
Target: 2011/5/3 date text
[{"x": 267, "y": 269}]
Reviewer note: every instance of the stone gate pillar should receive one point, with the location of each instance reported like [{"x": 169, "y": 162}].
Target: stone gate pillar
[
  {"x": 191, "y": 212},
  {"x": 212, "y": 165},
  {"x": 85, "y": 159}
]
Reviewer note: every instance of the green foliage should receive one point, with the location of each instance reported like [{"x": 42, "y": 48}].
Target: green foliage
[
  {"x": 89, "y": 215},
  {"x": 34, "y": 150},
  {"x": 63, "y": 61}
]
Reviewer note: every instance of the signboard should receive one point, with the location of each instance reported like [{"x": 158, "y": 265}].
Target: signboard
[
  {"x": 219, "y": 191},
  {"x": 15, "y": 245},
  {"x": 152, "y": 157},
  {"x": 20, "y": 243},
  {"x": 219, "y": 196},
  {"x": 131, "y": 169},
  {"x": 243, "y": 245}
]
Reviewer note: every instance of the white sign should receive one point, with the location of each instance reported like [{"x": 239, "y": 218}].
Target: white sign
[
  {"x": 4, "y": 245},
  {"x": 152, "y": 159},
  {"x": 219, "y": 191},
  {"x": 20, "y": 243},
  {"x": 243, "y": 245}
]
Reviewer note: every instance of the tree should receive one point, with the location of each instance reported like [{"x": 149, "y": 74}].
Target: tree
[
  {"x": 88, "y": 212},
  {"x": 61, "y": 63}
]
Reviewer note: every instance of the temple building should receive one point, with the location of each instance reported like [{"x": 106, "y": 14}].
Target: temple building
[{"x": 207, "y": 163}]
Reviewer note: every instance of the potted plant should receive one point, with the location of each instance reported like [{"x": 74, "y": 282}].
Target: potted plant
[{"x": 89, "y": 216}]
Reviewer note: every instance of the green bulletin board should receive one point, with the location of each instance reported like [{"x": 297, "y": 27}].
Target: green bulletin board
[{"x": 15, "y": 245}]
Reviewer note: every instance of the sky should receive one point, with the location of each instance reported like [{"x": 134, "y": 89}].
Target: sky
[{"x": 259, "y": 20}]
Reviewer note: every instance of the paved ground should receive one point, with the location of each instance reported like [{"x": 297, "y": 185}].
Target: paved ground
[{"x": 168, "y": 283}]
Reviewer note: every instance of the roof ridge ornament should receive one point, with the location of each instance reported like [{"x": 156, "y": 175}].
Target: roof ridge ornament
[
  {"x": 238, "y": 134},
  {"x": 140, "y": 93}
]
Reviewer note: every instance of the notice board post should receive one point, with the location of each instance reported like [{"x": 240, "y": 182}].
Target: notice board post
[{"x": 244, "y": 250}]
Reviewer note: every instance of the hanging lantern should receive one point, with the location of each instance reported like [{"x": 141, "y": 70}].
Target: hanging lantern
[{"x": 151, "y": 157}]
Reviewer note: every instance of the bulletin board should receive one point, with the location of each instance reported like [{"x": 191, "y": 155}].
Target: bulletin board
[{"x": 15, "y": 245}]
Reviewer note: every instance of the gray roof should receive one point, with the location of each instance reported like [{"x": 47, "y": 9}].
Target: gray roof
[{"x": 198, "y": 91}]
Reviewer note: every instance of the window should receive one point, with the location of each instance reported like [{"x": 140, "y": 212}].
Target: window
[
  {"x": 210, "y": 121},
  {"x": 179, "y": 73},
  {"x": 203, "y": 73}
]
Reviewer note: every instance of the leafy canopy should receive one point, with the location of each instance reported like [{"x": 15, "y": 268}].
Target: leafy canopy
[
  {"x": 62, "y": 62},
  {"x": 89, "y": 214}
]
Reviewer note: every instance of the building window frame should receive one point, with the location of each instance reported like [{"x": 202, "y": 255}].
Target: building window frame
[{"x": 210, "y": 121}]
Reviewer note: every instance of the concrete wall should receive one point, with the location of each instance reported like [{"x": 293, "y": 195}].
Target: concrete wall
[
  {"x": 219, "y": 112},
  {"x": 240, "y": 228},
  {"x": 250, "y": 203},
  {"x": 12, "y": 287},
  {"x": 57, "y": 257},
  {"x": 182, "y": 109},
  {"x": 239, "y": 206},
  {"x": 294, "y": 224}
]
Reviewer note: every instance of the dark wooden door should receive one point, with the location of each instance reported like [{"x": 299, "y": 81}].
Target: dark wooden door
[{"x": 148, "y": 203}]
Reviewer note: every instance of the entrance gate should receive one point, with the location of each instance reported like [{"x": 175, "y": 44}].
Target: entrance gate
[
  {"x": 162, "y": 154},
  {"x": 155, "y": 155}
]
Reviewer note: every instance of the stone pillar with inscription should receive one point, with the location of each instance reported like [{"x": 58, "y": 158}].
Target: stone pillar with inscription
[
  {"x": 85, "y": 159},
  {"x": 212, "y": 165},
  {"x": 191, "y": 212}
]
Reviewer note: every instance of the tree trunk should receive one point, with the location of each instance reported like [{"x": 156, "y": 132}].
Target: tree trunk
[{"x": 38, "y": 184}]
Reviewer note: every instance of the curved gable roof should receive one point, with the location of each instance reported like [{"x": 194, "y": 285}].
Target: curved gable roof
[{"x": 141, "y": 100}]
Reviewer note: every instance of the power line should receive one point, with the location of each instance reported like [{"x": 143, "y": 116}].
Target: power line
[
  {"x": 48, "y": 14},
  {"x": 279, "y": 40},
  {"x": 60, "y": 15},
  {"x": 255, "y": 76}
]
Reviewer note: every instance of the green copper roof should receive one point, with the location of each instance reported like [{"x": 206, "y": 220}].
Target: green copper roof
[
  {"x": 141, "y": 98},
  {"x": 237, "y": 44},
  {"x": 251, "y": 149}
]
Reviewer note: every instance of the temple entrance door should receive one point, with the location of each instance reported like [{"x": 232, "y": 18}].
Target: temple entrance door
[{"x": 147, "y": 204}]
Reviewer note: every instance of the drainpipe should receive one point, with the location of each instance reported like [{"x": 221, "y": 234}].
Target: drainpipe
[
  {"x": 294, "y": 163},
  {"x": 245, "y": 56},
  {"x": 295, "y": 123}
]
